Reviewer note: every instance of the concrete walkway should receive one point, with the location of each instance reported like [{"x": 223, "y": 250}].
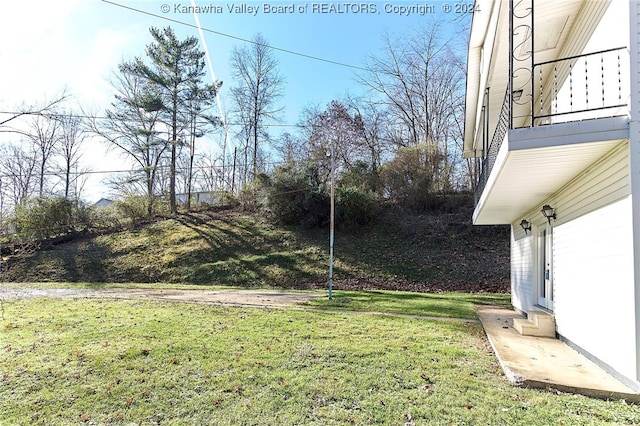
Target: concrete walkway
[{"x": 542, "y": 362}]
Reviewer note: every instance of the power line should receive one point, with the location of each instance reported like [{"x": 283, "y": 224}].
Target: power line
[
  {"x": 280, "y": 49},
  {"x": 141, "y": 170},
  {"x": 99, "y": 117}
]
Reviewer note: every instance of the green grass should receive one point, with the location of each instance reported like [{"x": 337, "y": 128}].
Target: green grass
[
  {"x": 66, "y": 361},
  {"x": 228, "y": 248},
  {"x": 451, "y": 305}
]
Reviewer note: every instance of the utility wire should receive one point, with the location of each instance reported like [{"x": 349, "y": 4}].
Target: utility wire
[
  {"x": 141, "y": 170},
  {"x": 98, "y": 117},
  {"x": 280, "y": 49}
]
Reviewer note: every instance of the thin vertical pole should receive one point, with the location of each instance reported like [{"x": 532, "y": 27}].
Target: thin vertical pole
[
  {"x": 533, "y": 61},
  {"x": 233, "y": 172},
  {"x": 510, "y": 82},
  {"x": 331, "y": 219}
]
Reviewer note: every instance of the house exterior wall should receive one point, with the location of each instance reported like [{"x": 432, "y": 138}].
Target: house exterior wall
[
  {"x": 593, "y": 282},
  {"x": 634, "y": 157},
  {"x": 593, "y": 263},
  {"x": 596, "y": 237}
]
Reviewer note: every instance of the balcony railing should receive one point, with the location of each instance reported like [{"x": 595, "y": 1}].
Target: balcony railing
[
  {"x": 581, "y": 87},
  {"x": 489, "y": 158},
  {"x": 593, "y": 85}
]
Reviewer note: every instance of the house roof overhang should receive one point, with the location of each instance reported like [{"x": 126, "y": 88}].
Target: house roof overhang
[
  {"x": 534, "y": 163},
  {"x": 480, "y": 25},
  {"x": 490, "y": 69}
]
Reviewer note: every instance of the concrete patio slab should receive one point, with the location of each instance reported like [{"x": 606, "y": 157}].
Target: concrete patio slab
[{"x": 543, "y": 362}]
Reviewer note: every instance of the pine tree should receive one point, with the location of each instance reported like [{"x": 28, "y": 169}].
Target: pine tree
[{"x": 176, "y": 67}]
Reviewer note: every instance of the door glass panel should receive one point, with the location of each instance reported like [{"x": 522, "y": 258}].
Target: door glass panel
[
  {"x": 543, "y": 264},
  {"x": 545, "y": 274}
]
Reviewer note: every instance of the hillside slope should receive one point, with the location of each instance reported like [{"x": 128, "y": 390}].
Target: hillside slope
[{"x": 419, "y": 253}]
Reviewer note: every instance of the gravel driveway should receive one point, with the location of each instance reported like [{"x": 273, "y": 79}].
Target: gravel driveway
[{"x": 264, "y": 298}]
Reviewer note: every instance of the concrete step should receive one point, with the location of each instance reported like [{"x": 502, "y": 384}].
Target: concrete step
[{"x": 541, "y": 324}]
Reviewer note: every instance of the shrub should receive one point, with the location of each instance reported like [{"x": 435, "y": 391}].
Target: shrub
[
  {"x": 253, "y": 196},
  {"x": 136, "y": 207},
  {"x": 44, "y": 217},
  {"x": 295, "y": 197},
  {"x": 105, "y": 218},
  {"x": 361, "y": 175},
  {"x": 225, "y": 199},
  {"x": 410, "y": 179},
  {"x": 355, "y": 207}
]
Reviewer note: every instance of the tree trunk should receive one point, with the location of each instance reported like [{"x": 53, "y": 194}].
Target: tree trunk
[
  {"x": 255, "y": 143},
  {"x": 67, "y": 182},
  {"x": 174, "y": 143}
]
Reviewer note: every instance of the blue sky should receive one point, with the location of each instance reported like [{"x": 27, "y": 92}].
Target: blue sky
[{"x": 78, "y": 44}]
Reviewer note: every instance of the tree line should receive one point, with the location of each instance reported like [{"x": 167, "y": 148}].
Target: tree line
[{"x": 402, "y": 142}]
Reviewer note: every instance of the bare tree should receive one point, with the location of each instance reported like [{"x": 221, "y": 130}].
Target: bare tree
[
  {"x": 18, "y": 170},
  {"x": 337, "y": 130},
  {"x": 47, "y": 107},
  {"x": 291, "y": 148},
  {"x": 259, "y": 88},
  {"x": 211, "y": 172},
  {"x": 198, "y": 104},
  {"x": 45, "y": 134},
  {"x": 374, "y": 124},
  {"x": 420, "y": 82},
  {"x": 72, "y": 135},
  {"x": 131, "y": 125}
]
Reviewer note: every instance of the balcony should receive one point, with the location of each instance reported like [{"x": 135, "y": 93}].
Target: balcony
[
  {"x": 590, "y": 89},
  {"x": 573, "y": 111}
]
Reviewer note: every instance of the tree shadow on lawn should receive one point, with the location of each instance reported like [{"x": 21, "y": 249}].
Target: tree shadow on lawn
[{"x": 78, "y": 261}]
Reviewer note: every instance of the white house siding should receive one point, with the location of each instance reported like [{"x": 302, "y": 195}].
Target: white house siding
[
  {"x": 521, "y": 269},
  {"x": 634, "y": 153},
  {"x": 593, "y": 282},
  {"x": 593, "y": 263}
]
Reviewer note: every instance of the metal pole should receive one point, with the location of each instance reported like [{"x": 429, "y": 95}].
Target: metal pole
[
  {"x": 233, "y": 173},
  {"x": 331, "y": 218}
]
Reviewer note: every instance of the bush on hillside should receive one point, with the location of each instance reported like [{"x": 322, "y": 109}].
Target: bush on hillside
[
  {"x": 295, "y": 197},
  {"x": 411, "y": 178},
  {"x": 135, "y": 208},
  {"x": 253, "y": 195},
  {"x": 47, "y": 217},
  {"x": 362, "y": 176},
  {"x": 355, "y": 207}
]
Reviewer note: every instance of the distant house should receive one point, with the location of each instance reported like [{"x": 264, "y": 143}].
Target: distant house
[
  {"x": 102, "y": 202},
  {"x": 201, "y": 197},
  {"x": 553, "y": 123}
]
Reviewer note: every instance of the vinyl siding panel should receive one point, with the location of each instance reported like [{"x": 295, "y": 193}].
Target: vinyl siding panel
[
  {"x": 593, "y": 282},
  {"x": 593, "y": 262},
  {"x": 598, "y": 186},
  {"x": 521, "y": 269}
]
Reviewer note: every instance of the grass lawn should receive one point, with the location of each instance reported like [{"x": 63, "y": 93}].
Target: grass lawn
[
  {"x": 76, "y": 361},
  {"x": 451, "y": 305}
]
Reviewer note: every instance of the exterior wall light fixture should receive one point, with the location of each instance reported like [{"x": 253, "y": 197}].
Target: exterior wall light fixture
[
  {"x": 548, "y": 212},
  {"x": 525, "y": 225}
]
